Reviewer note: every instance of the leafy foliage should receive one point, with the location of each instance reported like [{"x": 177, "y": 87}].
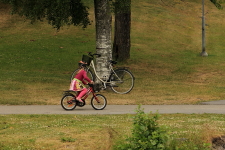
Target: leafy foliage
[
  {"x": 217, "y": 4},
  {"x": 57, "y": 12},
  {"x": 146, "y": 134}
]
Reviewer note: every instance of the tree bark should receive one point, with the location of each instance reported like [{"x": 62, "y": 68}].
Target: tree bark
[
  {"x": 103, "y": 22},
  {"x": 121, "y": 45}
]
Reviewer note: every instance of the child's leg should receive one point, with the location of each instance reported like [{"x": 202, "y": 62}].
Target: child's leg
[
  {"x": 81, "y": 93},
  {"x": 72, "y": 85}
]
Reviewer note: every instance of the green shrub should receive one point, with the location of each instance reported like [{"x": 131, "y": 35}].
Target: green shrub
[{"x": 146, "y": 134}]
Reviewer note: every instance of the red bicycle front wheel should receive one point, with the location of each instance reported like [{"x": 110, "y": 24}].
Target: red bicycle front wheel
[{"x": 98, "y": 102}]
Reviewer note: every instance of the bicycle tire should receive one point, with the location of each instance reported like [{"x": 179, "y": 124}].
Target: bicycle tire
[
  {"x": 98, "y": 102},
  {"x": 89, "y": 74},
  {"x": 66, "y": 102},
  {"x": 124, "y": 86}
]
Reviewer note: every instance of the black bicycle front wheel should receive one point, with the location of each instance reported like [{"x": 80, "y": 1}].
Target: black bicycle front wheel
[
  {"x": 89, "y": 74},
  {"x": 68, "y": 102},
  {"x": 98, "y": 102},
  {"x": 122, "y": 81}
]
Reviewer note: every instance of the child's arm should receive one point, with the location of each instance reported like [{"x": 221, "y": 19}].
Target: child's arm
[{"x": 86, "y": 78}]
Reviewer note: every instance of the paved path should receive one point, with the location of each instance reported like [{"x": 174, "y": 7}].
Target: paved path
[{"x": 216, "y": 107}]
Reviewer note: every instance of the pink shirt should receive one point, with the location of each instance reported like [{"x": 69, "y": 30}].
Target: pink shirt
[{"x": 82, "y": 76}]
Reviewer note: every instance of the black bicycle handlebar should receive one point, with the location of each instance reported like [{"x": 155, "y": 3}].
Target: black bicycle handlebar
[
  {"x": 99, "y": 55},
  {"x": 91, "y": 85},
  {"x": 92, "y": 55}
]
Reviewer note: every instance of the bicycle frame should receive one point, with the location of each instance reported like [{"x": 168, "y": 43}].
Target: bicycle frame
[
  {"x": 90, "y": 90},
  {"x": 92, "y": 65}
]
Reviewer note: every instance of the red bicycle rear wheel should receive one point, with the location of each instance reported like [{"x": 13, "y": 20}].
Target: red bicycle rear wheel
[{"x": 68, "y": 102}]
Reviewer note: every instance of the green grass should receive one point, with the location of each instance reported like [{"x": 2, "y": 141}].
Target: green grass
[
  {"x": 91, "y": 131},
  {"x": 36, "y": 61},
  {"x": 36, "y": 64}
]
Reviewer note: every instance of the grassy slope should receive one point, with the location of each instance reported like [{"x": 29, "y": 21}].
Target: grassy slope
[
  {"x": 36, "y": 62},
  {"x": 168, "y": 43}
]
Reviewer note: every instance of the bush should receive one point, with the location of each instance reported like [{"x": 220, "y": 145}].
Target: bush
[{"x": 146, "y": 134}]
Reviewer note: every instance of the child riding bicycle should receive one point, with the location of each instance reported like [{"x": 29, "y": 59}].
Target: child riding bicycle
[{"x": 79, "y": 80}]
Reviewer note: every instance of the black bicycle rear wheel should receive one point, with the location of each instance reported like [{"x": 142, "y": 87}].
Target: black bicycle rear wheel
[
  {"x": 98, "y": 102},
  {"x": 122, "y": 81},
  {"x": 68, "y": 102}
]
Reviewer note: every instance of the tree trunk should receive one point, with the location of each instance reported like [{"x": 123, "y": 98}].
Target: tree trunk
[
  {"x": 103, "y": 21},
  {"x": 121, "y": 45}
]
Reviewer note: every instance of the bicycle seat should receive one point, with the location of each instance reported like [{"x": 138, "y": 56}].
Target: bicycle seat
[{"x": 113, "y": 62}]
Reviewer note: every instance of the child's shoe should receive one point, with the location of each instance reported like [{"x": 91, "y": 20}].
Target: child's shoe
[{"x": 79, "y": 100}]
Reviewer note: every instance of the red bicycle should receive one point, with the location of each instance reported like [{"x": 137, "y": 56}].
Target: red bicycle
[{"x": 69, "y": 102}]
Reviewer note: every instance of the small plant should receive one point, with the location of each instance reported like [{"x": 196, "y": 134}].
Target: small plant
[
  {"x": 146, "y": 133},
  {"x": 68, "y": 139}
]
